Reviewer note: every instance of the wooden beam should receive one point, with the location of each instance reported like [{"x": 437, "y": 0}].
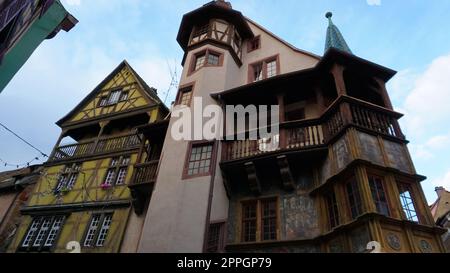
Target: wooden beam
[
  {"x": 253, "y": 180},
  {"x": 286, "y": 174}
]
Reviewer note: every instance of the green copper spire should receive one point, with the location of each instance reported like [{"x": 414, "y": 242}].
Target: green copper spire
[{"x": 334, "y": 37}]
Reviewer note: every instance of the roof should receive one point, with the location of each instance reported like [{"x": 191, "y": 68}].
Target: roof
[
  {"x": 294, "y": 48},
  {"x": 441, "y": 207},
  {"x": 25, "y": 176},
  {"x": 332, "y": 56},
  {"x": 335, "y": 39},
  {"x": 202, "y": 15},
  {"x": 149, "y": 91}
]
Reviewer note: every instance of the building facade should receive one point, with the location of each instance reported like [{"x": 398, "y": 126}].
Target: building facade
[
  {"x": 95, "y": 191},
  {"x": 441, "y": 213},
  {"x": 337, "y": 176},
  {"x": 24, "y": 24}
]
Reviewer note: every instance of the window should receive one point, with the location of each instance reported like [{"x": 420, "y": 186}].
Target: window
[
  {"x": 68, "y": 178},
  {"x": 42, "y": 233},
  {"x": 379, "y": 195},
  {"x": 269, "y": 220},
  {"x": 117, "y": 172},
  {"x": 249, "y": 221},
  {"x": 333, "y": 212},
  {"x": 271, "y": 69},
  {"x": 254, "y": 44},
  {"x": 261, "y": 211},
  {"x": 354, "y": 198},
  {"x": 407, "y": 201},
  {"x": 98, "y": 229},
  {"x": 199, "y": 160},
  {"x": 215, "y": 238},
  {"x": 264, "y": 69},
  {"x": 206, "y": 57},
  {"x": 213, "y": 59},
  {"x": 257, "y": 72},
  {"x": 185, "y": 96},
  {"x": 113, "y": 98},
  {"x": 199, "y": 61}
]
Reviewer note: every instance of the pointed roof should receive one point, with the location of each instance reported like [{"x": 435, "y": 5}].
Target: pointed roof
[
  {"x": 441, "y": 207},
  {"x": 334, "y": 37},
  {"x": 149, "y": 91}
]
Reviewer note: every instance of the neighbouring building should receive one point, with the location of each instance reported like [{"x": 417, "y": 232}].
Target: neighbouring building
[
  {"x": 341, "y": 177},
  {"x": 24, "y": 24},
  {"x": 95, "y": 191},
  {"x": 441, "y": 213},
  {"x": 15, "y": 189}
]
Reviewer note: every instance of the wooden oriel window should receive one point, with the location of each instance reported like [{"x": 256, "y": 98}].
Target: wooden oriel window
[
  {"x": 42, "y": 234},
  {"x": 117, "y": 172},
  {"x": 199, "y": 160},
  {"x": 333, "y": 212},
  {"x": 354, "y": 198},
  {"x": 254, "y": 44},
  {"x": 215, "y": 238},
  {"x": 408, "y": 202},
  {"x": 98, "y": 229},
  {"x": 185, "y": 95},
  {"x": 379, "y": 195},
  {"x": 264, "y": 212},
  {"x": 264, "y": 69},
  {"x": 206, "y": 58},
  {"x": 68, "y": 178}
]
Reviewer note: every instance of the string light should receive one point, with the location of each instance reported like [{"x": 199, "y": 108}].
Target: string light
[
  {"x": 23, "y": 140},
  {"x": 26, "y": 164}
]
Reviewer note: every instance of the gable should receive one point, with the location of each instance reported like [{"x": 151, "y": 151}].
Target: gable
[{"x": 122, "y": 91}]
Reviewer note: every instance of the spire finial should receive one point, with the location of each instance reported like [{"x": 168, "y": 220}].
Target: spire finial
[{"x": 334, "y": 36}]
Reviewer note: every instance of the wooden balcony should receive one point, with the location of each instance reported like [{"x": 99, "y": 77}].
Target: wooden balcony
[
  {"x": 102, "y": 146},
  {"x": 145, "y": 173},
  {"x": 317, "y": 133}
]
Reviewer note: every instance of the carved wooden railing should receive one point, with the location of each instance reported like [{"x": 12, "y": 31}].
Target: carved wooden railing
[
  {"x": 145, "y": 173},
  {"x": 103, "y": 145},
  {"x": 309, "y": 134}
]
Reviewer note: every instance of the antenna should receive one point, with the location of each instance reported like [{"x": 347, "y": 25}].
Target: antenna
[{"x": 173, "y": 79}]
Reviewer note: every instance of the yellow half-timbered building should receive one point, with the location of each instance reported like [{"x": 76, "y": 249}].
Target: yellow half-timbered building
[{"x": 93, "y": 193}]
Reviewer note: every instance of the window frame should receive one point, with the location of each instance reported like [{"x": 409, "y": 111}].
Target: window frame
[
  {"x": 116, "y": 170},
  {"x": 383, "y": 188},
  {"x": 105, "y": 98},
  {"x": 42, "y": 247},
  {"x": 332, "y": 210},
  {"x": 259, "y": 232},
  {"x": 220, "y": 247},
  {"x": 187, "y": 88},
  {"x": 187, "y": 161},
  {"x": 95, "y": 237},
  {"x": 205, "y": 52},
  {"x": 359, "y": 206},
  {"x": 412, "y": 194},
  {"x": 250, "y": 44},
  {"x": 264, "y": 62},
  {"x": 68, "y": 173}
]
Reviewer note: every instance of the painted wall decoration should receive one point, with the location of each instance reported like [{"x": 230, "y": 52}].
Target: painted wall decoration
[
  {"x": 394, "y": 241},
  {"x": 397, "y": 156},
  {"x": 370, "y": 149},
  {"x": 425, "y": 246},
  {"x": 300, "y": 218},
  {"x": 359, "y": 239},
  {"x": 342, "y": 153}
]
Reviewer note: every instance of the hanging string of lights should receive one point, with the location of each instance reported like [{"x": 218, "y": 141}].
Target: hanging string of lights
[{"x": 26, "y": 164}]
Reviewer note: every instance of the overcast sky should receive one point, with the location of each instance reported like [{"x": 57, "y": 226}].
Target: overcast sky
[{"x": 408, "y": 36}]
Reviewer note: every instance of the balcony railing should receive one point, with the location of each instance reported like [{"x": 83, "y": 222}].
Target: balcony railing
[
  {"x": 104, "y": 145},
  {"x": 145, "y": 173},
  {"x": 310, "y": 134}
]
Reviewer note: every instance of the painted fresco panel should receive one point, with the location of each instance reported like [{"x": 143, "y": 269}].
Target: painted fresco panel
[
  {"x": 397, "y": 156},
  {"x": 359, "y": 239},
  {"x": 299, "y": 217},
  {"x": 370, "y": 148}
]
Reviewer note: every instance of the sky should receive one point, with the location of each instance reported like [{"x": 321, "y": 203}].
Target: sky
[{"x": 410, "y": 37}]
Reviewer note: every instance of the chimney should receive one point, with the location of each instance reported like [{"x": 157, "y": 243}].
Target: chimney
[
  {"x": 224, "y": 4},
  {"x": 439, "y": 190}
]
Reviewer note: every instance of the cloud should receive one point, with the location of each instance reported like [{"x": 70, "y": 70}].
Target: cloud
[
  {"x": 443, "y": 181},
  {"x": 374, "y": 2},
  {"x": 431, "y": 147}
]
